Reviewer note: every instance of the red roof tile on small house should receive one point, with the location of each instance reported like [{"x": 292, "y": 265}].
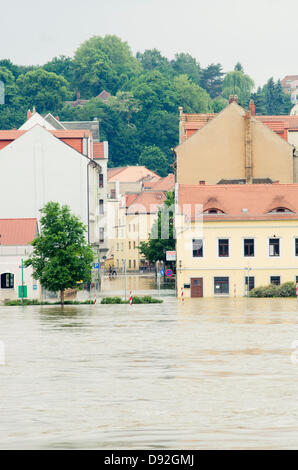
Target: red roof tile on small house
[{"x": 17, "y": 231}]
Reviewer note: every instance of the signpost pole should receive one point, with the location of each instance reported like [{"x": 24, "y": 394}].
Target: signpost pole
[{"x": 22, "y": 267}]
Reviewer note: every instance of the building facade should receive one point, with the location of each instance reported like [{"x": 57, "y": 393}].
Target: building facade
[{"x": 232, "y": 238}]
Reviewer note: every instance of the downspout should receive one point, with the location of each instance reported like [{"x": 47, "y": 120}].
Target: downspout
[{"x": 88, "y": 202}]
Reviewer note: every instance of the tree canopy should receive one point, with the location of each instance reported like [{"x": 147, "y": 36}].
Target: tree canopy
[
  {"x": 61, "y": 256},
  {"x": 147, "y": 89}
]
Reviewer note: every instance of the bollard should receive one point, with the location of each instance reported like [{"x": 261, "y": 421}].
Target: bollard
[
  {"x": 182, "y": 295},
  {"x": 130, "y": 298}
]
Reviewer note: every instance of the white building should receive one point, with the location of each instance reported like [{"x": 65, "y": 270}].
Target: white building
[
  {"x": 15, "y": 236},
  {"x": 39, "y": 165}
]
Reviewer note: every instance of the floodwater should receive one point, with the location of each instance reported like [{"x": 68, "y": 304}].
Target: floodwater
[{"x": 206, "y": 374}]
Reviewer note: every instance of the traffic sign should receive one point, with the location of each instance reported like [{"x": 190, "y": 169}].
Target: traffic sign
[
  {"x": 171, "y": 255},
  {"x": 169, "y": 273},
  {"x": 96, "y": 265},
  {"x": 162, "y": 272}
]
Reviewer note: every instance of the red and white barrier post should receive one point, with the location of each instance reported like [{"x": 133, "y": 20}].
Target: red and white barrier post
[
  {"x": 182, "y": 294},
  {"x": 95, "y": 299},
  {"x": 130, "y": 298}
]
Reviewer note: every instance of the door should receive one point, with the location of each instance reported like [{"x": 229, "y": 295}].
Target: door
[{"x": 196, "y": 287}]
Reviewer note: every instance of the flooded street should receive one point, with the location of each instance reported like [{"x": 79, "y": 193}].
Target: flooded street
[{"x": 205, "y": 374}]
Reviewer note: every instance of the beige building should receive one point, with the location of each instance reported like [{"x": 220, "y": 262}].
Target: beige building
[
  {"x": 232, "y": 146},
  {"x": 231, "y": 238}
]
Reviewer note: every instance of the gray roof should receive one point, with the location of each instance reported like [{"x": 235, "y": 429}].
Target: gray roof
[{"x": 92, "y": 126}]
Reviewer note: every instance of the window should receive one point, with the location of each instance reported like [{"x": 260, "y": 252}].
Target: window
[
  {"x": 134, "y": 264},
  {"x": 7, "y": 281},
  {"x": 249, "y": 247},
  {"x": 134, "y": 245},
  {"x": 100, "y": 180},
  {"x": 223, "y": 247},
  {"x": 249, "y": 283},
  {"x": 101, "y": 211},
  {"x": 221, "y": 285},
  {"x": 129, "y": 245},
  {"x": 197, "y": 248},
  {"x": 101, "y": 234},
  {"x": 129, "y": 264},
  {"x": 275, "y": 280},
  {"x": 296, "y": 246},
  {"x": 113, "y": 194},
  {"x": 274, "y": 248}
]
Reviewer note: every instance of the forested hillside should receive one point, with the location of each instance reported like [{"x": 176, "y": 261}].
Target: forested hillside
[{"x": 140, "y": 119}]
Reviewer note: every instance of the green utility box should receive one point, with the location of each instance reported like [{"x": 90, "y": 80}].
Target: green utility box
[{"x": 24, "y": 296}]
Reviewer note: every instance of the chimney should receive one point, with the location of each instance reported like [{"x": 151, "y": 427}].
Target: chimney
[
  {"x": 252, "y": 107},
  {"x": 78, "y": 95},
  {"x": 248, "y": 148},
  {"x": 29, "y": 114},
  {"x": 233, "y": 98},
  {"x": 57, "y": 118}
]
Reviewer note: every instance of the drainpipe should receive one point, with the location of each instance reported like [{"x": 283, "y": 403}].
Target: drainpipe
[
  {"x": 248, "y": 149},
  {"x": 88, "y": 203}
]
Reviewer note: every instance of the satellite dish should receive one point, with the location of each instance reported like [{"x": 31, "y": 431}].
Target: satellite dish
[{"x": 2, "y": 93}]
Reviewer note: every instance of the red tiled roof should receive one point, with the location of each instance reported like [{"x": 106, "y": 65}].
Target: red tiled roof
[
  {"x": 98, "y": 150},
  {"x": 130, "y": 198},
  {"x": 17, "y": 231},
  {"x": 278, "y": 124},
  {"x": 164, "y": 184},
  {"x": 61, "y": 133},
  {"x": 130, "y": 174},
  {"x": 258, "y": 199},
  {"x": 147, "y": 202}
]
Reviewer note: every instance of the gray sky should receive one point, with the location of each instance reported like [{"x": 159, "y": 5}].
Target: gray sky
[{"x": 261, "y": 34}]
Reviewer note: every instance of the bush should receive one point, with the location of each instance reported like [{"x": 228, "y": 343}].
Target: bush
[{"x": 288, "y": 289}]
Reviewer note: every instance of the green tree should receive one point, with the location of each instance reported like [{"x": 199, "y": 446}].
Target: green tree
[
  {"x": 238, "y": 67},
  {"x": 62, "y": 66},
  {"x": 192, "y": 97},
  {"x": 154, "y": 159},
  {"x": 238, "y": 83},
  {"x": 46, "y": 91},
  {"x": 61, "y": 257},
  {"x": 218, "y": 104},
  {"x": 151, "y": 59},
  {"x": 212, "y": 78},
  {"x": 259, "y": 100},
  {"x": 11, "y": 90},
  {"x": 103, "y": 63},
  {"x": 159, "y": 243},
  {"x": 185, "y": 64},
  {"x": 125, "y": 103}
]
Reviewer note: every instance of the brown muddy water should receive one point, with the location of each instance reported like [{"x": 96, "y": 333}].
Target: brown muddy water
[{"x": 206, "y": 374}]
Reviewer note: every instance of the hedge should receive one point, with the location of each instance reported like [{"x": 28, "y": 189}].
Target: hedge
[
  {"x": 135, "y": 300},
  {"x": 288, "y": 289}
]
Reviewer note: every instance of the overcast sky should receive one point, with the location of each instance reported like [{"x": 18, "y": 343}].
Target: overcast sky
[{"x": 261, "y": 34}]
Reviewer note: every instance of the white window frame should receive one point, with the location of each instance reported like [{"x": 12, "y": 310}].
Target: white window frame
[
  {"x": 280, "y": 247},
  {"x": 203, "y": 246},
  {"x": 255, "y": 247},
  {"x": 217, "y": 249}
]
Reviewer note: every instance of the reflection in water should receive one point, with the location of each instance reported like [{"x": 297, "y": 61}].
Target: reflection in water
[{"x": 209, "y": 373}]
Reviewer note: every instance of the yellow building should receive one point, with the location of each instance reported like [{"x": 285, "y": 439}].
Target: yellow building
[
  {"x": 233, "y": 145},
  {"x": 231, "y": 238},
  {"x": 136, "y": 217}
]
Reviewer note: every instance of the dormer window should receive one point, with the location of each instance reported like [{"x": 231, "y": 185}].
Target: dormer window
[
  {"x": 278, "y": 210},
  {"x": 213, "y": 210}
]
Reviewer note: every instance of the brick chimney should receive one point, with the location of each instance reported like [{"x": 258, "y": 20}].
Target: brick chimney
[
  {"x": 29, "y": 114},
  {"x": 57, "y": 118},
  {"x": 252, "y": 107},
  {"x": 233, "y": 98}
]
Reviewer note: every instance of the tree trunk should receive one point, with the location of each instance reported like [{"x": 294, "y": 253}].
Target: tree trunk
[{"x": 62, "y": 296}]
